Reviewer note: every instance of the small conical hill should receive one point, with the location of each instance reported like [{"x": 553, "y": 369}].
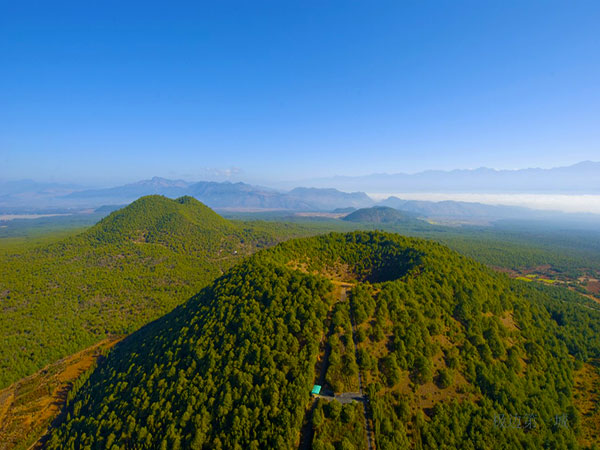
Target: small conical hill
[
  {"x": 132, "y": 267},
  {"x": 158, "y": 219},
  {"x": 379, "y": 215}
]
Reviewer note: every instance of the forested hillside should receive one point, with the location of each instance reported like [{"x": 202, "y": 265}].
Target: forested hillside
[
  {"x": 379, "y": 214},
  {"x": 133, "y": 266},
  {"x": 452, "y": 355}
]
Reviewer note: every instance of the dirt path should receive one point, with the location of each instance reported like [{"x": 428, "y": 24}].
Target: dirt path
[
  {"x": 307, "y": 431},
  {"x": 28, "y": 406},
  {"x": 366, "y": 411}
]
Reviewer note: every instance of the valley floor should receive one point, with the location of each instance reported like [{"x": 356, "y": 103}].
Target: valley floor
[
  {"x": 29, "y": 406},
  {"x": 587, "y": 285}
]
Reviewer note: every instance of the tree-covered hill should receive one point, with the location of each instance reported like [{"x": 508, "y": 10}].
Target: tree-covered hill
[
  {"x": 379, "y": 215},
  {"x": 157, "y": 219},
  {"x": 452, "y": 355},
  {"x": 132, "y": 267}
]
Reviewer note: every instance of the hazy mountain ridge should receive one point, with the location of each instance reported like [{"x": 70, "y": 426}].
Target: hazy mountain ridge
[
  {"x": 213, "y": 194},
  {"x": 29, "y": 196},
  {"x": 581, "y": 178},
  {"x": 328, "y": 198},
  {"x": 220, "y": 195},
  {"x": 156, "y": 185},
  {"x": 244, "y": 196},
  {"x": 456, "y": 209}
]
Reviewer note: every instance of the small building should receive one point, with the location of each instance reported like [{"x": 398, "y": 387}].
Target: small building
[{"x": 316, "y": 390}]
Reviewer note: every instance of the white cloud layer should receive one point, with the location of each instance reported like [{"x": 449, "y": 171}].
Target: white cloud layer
[{"x": 559, "y": 202}]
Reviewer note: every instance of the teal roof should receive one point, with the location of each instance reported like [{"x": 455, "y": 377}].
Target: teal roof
[{"x": 316, "y": 389}]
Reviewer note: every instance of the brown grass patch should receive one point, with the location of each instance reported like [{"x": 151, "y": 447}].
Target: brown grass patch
[
  {"x": 593, "y": 286},
  {"x": 428, "y": 394},
  {"x": 28, "y": 406},
  {"x": 337, "y": 272},
  {"x": 587, "y": 402},
  {"x": 508, "y": 321}
]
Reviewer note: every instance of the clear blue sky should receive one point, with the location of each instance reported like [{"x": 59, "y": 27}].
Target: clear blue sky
[{"x": 105, "y": 92}]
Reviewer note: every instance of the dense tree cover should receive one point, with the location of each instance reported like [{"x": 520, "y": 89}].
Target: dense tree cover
[
  {"x": 338, "y": 426},
  {"x": 464, "y": 347},
  {"x": 133, "y": 266},
  {"x": 363, "y": 256},
  {"x": 577, "y": 318},
  {"x": 34, "y": 229},
  {"x": 231, "y": 368},
  {"x": 380, "y": 214},
  {"x": 453, "y": 355},
  {"x": 160, "y": 220},
  {"x": 514, "y": 251},
  {"x": 342, "y": 373},
  {"x": 130, "y": 380},
  {"x": 507, "y": 245}
]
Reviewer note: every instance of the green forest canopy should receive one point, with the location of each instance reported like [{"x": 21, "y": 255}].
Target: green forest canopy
[
  {"x": 233, "y": 366},
  {"x": 132, "y": 267}
]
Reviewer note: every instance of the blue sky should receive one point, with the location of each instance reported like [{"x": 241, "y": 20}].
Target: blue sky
[{"x": 108, "y": 92}]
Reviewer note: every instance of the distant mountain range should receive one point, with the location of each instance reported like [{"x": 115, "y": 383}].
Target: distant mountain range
[
  {"x": 216, "y": 195},
  {"x": 225, "y": 195},
  {"x": 582, "y": 178},
  {"x": 31, "y": 197},
  {"x": 451, "y": 209}
]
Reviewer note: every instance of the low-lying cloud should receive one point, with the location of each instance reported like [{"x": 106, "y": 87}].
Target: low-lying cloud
[{"x": 558, "y": 202}]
